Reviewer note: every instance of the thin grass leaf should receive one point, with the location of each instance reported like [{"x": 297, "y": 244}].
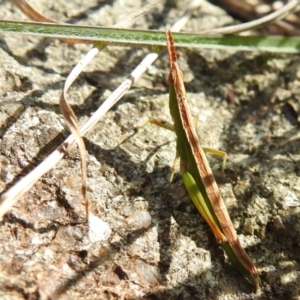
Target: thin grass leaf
[{"x": 134, "y": 37}]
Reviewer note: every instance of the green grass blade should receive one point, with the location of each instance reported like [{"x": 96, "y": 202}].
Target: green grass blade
[{"x": 279, "y": 44}]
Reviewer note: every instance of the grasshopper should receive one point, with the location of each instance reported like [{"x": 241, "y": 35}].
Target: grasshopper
[{"x": 197, "y": 175}]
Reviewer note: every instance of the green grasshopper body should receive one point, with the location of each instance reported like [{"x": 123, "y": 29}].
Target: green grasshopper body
[{"x": 197, "y": 176}]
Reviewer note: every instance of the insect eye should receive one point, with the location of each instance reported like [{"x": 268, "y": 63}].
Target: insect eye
[{"x": 170, "y": 79}]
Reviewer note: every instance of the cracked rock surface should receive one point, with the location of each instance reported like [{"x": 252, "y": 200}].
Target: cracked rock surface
[{"x": 146, "y": 240}]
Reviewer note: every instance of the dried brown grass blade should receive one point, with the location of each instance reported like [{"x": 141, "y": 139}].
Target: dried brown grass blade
[
  {"x": 34, "y": 15},
  {"x": 248, "y": 11},
  {"x": 66, "y": 109},
  {"x": 30, "y": 12}
]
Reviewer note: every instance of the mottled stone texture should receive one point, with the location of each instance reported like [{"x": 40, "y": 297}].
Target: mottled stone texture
[{"x": 151, "y": 243}]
